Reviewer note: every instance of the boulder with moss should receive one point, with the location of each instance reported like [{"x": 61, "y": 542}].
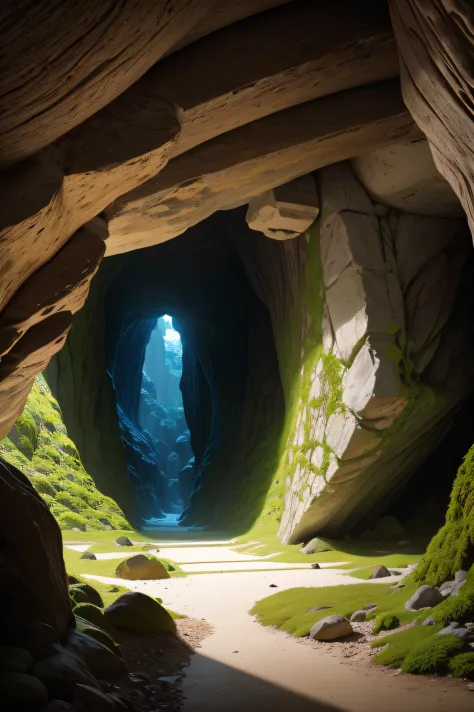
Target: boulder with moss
[
  {"x": 141, "y": 567},
  {"x": 39, "y": 446},
  {"x": 99, "y": 658},
  {"x": 385, "y": 621},
  {"x": 433, "y": 655},
  {"x": 84, "y": 593},
  {"x": 93, "y": 614},
  {"x": 462, "y": 665},
  {"x": 139, "y": 613}
]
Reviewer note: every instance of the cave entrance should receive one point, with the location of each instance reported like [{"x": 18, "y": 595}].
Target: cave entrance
[{"x": 161, "y": 414}]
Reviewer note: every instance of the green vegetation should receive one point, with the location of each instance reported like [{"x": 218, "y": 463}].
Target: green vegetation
[
  {"x": 385, "y": 621},
  {"x": 140, "y": 614},
  {"x": 458, "y": 608},
  {"x": 363, "y": 574},
  {"x": 289, "y": 610},
  {"x": 93, "y": 614},
  {"x": 39, "y": 446},
  {"x": 398, "y": 645},
  {"x": 462, "y": 665},
  {"x": 453, "y": 546},
  {"x": 106, "y": 567},
  {"x": 432, "y": 655}
]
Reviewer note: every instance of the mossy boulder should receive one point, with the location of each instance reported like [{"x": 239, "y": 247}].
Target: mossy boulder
[
  {"x": 98, "y": 634},
  {"x": 385, "y": 621},
  {"x": 316, "y": 546},
  {"x": 141, "y": 567},
  {"x": 93, "y": 614},
  {"x": 84, "y": 593},
  {"x": 460, "y": 607},
  {"x": 462, "y": 665},
  {"x": 139, "y": 613},
  {"x": 433, "y": 655},
  {"x": 100, "y": 660},
  {"x": 123, "y": 541}
]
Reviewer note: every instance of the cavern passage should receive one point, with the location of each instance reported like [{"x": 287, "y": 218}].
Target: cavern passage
[{"x": 235, "y": 296}]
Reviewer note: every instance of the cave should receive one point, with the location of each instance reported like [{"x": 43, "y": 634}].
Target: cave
[{"x": 236, "y": 296}]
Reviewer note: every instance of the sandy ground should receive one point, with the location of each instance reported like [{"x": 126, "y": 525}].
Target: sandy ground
[{"x": 243, "y": 666}]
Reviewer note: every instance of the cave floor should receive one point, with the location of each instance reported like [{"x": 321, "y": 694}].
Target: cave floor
[{"x": 243, "y": 665}]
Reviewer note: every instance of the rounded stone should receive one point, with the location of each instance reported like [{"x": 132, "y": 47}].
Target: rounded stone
[
  {"x": 14, "y": 659},
  {"x": 141, "y": 568},
  {"x": 123, "y": 541},
  {"x": 22, "y": 691},
  {"x": 424, "y": 597},
  {"x": 331, "y": 628},
  {"x": 139, "y": 613},
  {"x": 358, "y": 616}
]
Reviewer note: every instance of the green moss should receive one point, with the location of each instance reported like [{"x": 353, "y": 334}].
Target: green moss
[
  {"x": 139, "y": 613},
  {"x": 101, "y": 636},
  {"x": 462, "y": 665},
  {"x": 432, "y": 655},
  {"x": 93, "y": 614},
  {"x": 84, "y": 593},
  {"x": 70, "y": 520},
  {"x": 385, "y": 621},
  {"x": 397, "y": 646},
  {"x": 458, "y": 608},
  {"x": 25, "y": 447},
  {"x": 43, "y": 485},
  {"x": 453, "y": 546}
]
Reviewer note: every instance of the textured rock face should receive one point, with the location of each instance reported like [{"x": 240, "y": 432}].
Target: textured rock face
[{"x": 375, "y": 392}]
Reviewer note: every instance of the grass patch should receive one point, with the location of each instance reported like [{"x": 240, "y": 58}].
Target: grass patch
[
  {"x": 385, "y": 621},
  {"x": 106, "y": 567},
  {"x": 397, "y": 645},
  {"x": 288, "y": 610},
  {"x": 462, "y": 665},
  {"x": 432, "y": 655}
]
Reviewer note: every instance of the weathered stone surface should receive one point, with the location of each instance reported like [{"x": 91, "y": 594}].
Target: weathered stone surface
[
  {"x": 424, "y": 597},
  {"x": 286, "y": 211},
  {"x": 331, "y": 628},
  {"x": 141, "y": 567}
]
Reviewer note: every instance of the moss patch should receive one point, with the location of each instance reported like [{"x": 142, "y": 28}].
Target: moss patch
[
  {"x": 397, "y": 646},
  {"x": 458, "y": 608},
  {"x": 432, "y": 655},
  {"x": 39, "y": 446},
  {"x": 462, "y": 665},
  {"x": 385, "y": 621}
]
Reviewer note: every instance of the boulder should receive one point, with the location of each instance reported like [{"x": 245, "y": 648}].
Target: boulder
[
  {"x": 139, "y": 613},
  {"x": 41, "y": 640},
  {"x": 92, "y": 631},
  {"x": 315, "y": 546},
  {"x": 89, "y": 555},
  {"x": 93, "y": 614},
  {"x": 380, "y": 572},
  {"x": 123, "y": 541},
  {"x": 22, "y": 692},
  {"x": 83, "y": 593},
  {"x": 358, "y": 616},
  {"x": 14, "y": 659},
  {"x": 61, "y": 672},
  {"x": 71, "y": 580},
  {"x": 90, "y": 699},
  {"x": 314, "y": 565},
  {"x": 331, "y": 628},
  {"x": 424, "y": 597},
  {"x": 141, "y": 567},
  {"x": 370, "y": 607},
  {"x": 100, "y": 660}
]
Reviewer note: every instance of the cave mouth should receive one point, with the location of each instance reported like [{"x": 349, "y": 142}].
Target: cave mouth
[{"x": 161, "y": 414}]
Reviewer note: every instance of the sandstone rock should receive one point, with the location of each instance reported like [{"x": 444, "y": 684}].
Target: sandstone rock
[
  {"x": 89, "y": 555},
  {"x": 84, "y": 593},
  {"x": 99, "y": 659},
  {"x": 315, "y": 546},
  {"x": 61, "y": 672},
  {"x": 380, "y": 572},
  {"x": 358, "y": 616},
  {"x": 22, "y": 692},
  {"x": 141, "y": 567},
  {"x": 14, "y": 659},
  {"x": 123, "y": 541},
  {"x": 331, "y": 628},
  {"x": 285, "y": 211},
  {"x": 424, "y": 597},
  {"x": 137, "y": 612}
]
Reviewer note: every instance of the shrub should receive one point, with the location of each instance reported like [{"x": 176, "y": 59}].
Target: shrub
[
  {"x": 70, "y": 520},
  {"x": 432, "y": 655},
  {"x": 385, "y": 621},
  {"x": 462, "y": 665}
]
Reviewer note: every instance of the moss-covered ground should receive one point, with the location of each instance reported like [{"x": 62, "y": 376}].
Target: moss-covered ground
[{"x": 39, "y": 446}]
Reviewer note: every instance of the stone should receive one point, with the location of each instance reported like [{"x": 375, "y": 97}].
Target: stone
[
  {"x": 100, "y": 660},
  {"x": 315, "y": 565},
  {"x": 458, "y": 586},
  {"x": 460, "y": 576},
  {"x": 84, "y": 593},
  {"x": 61, "y": 672},
  {"x": 380, "y": 572},
  {"x": 429, "y": 621},
  {"x": 358, "y": 616},
  {"x": 315, "y": 546},
  {"x": 41, "y": 640},
  {"x": 331, "y": 628},
  {"x": 89, "y": 555},
  {"x": 141, "y": 567},
  {"x": 123, "y": 541},
  {"x": 445, "y": 585},
  {"x": 22, "y": 692},
  {"x": 317, "y": 608},
  {"x": 139, "y": 613},
  {"x": 370, "y": 607},
  {"x": 14, "y": 659},
  {"x": 286, "y": 211},
  {"x": 424, "y": 597},
  {"x": 58, "y": 706},
  {"x": 466, "y": 634},
  {"x": 89, "y": 699}
]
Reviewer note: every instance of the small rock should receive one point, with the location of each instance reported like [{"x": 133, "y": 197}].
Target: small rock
[
  {"x": 358, "y": 616},
  {"x": 139, "y": 678},
  {"x": 458, "y": 587},
  {"x": 317, "y": 608},
  {"x": 89, "y": 555},
  {"x": 447, "y": 591},
  {"x": 123, "y": 541},
  {"x": 331, "y": 628},
  {"x": 13, "y": 659},
  {"x": 19, "y": 691},
  {"x": 315, "y": 566},
  {"x": 370, "y": 607},
  {"x": 114, "y": 590},
  {"x": 460, "y": 576},
  {"x": 397, "y": 586},
  {"x": 463, "y": 633},
  {"x": 380, "y": 572},
  {"x": 139, "y": 613},
  {"x": 395, "y": 573},
  {"x": 273, "y": 585},
  {"x": 173, "y": 679},
  {"x": 429, "y": 621},
  {"x": 424, "y": 597}
]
